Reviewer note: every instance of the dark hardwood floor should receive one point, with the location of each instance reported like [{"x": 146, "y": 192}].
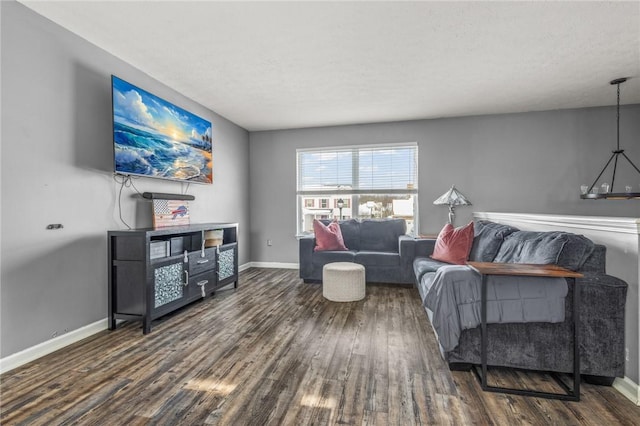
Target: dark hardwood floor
[{"x": 274, "y": 351}]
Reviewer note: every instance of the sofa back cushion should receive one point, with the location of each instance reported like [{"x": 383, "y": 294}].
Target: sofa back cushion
[
  {"x": 575, "y": 252},
  {"x": 560, "y": 248},
  {"x": 351, "y": 233},
  {"x": 596, "y": 261},
  {"x": 488, "y": 237},
  {"x": 381, "y": 234}
]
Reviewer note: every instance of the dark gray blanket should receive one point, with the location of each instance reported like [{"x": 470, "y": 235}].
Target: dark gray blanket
[{"x": 452, "y": 294}]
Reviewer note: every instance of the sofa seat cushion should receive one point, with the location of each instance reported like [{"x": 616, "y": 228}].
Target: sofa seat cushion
[
  {"x": 376, "y": 258},
  {"x": 422, "y": 265},
  {"x": 488, "y": 237},
  {"x": 560, "y": 248},
  {"x": 320, "y": 258},
  {"x": 381, "y": 234}
]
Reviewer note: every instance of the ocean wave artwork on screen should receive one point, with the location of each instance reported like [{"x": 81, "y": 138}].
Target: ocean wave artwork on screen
[{"x": 155, "y": 138}]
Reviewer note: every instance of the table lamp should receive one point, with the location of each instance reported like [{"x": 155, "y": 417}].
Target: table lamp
[{"x": 452, "y": 198}]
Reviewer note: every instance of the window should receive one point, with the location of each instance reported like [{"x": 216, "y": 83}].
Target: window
[
  {"x": 309, "y": 202},
  {"x": 373, "y": 181}
]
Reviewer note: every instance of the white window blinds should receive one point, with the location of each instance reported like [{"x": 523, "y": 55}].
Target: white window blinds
[{"x": 363, "y": 169}]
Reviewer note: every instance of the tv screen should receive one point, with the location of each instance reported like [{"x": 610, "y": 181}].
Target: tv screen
[{"x": 154, "y": 138}]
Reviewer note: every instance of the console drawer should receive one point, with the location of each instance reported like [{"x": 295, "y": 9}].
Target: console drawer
[
  {"x": 202, "y": 284},
  {"x": 198, "y": 264}
]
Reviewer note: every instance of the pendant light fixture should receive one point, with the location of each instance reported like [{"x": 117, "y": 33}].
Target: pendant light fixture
[{"x": 605, "y": 191}]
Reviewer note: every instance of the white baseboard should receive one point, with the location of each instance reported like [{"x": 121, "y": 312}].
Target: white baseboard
[
  {"x": 27, "y": 355},
  {"x": 628, "y": 388},
  {"x": 280, "y": 265},
  {"x": 244, "y": 267}
]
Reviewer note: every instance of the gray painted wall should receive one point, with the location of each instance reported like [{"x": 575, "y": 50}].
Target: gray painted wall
[
  {"x": 522, "y": 163},
  {"x": 57, "y": 168}
]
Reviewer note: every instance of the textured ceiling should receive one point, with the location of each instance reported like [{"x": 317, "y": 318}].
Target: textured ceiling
[{"x": 278, "y": 65}]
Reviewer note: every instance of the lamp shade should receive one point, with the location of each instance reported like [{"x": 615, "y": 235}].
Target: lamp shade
[{"x": 452, "y": 197}]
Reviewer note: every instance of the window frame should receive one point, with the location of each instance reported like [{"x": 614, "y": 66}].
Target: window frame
[{"x": 349, "y": 194}]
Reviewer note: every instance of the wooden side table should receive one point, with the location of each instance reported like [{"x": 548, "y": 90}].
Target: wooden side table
[{"x": 523, "y": 269}]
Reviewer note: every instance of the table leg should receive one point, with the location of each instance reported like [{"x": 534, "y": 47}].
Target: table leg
[
  {"x": 571, "y": 394},
  {"x": 483, "y": 331},
  {"x": 576, "y": 339}
]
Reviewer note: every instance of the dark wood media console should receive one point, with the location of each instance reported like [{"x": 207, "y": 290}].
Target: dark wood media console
[{"x": 154, "y": 271}]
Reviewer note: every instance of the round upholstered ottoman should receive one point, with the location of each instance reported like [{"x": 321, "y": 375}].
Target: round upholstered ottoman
[{"x": 343, "y": 282}]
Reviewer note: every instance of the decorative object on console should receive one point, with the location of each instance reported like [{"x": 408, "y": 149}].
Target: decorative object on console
[
  {"x": 452, "y": 198},
  {"x": 328, "y": 237},
  {"x": 454, "y": 245},
  {"x": 213, "y": 238},
  {"x": 607, "y": 191},
  {"x": 170, "y": 213}
]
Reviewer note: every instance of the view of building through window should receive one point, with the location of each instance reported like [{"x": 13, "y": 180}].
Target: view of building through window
[
  {"x": 358, "y": 182},
  {"x": 368, "y": 206}
]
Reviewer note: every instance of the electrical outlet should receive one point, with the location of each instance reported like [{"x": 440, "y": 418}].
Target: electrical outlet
[
  {"x": 54, "y": 334},
  {"x": 269, "y": 243}
]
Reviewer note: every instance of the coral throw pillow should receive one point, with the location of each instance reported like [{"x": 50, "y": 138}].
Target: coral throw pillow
[
  {"x": 454, "y": 245},
  {"x": 328, "y": 237}
]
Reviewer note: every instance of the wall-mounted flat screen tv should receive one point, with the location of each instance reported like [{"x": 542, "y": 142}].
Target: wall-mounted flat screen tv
[{"x": 154, "y": 138}]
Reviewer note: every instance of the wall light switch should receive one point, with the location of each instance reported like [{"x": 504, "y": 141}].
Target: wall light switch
[{"x": 269, "y": 243}]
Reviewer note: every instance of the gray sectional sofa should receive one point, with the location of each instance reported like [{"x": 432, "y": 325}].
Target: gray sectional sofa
[
  {"x": 379, "y": 244},
  {"x": 536, "y": 341},
  {"x": 537, "y": 345}
]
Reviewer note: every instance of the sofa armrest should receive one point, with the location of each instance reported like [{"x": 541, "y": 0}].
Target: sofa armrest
[
  {"x": 407, "y": 247},
  {"x": 407, "y": 252},
  {"x": 424, "y": 247},
  {"x": 602, "y": 319},
  {"x": 306, "y": 244}
]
